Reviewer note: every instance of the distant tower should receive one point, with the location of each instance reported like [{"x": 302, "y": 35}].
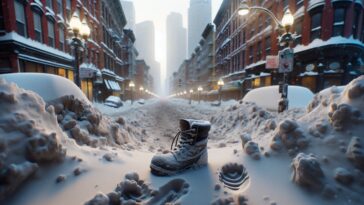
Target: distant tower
[
  {"x": 199, "y": 15},
  {"x": 129, "y": 11},
  {"x": 176, "y": 42},
  {"x": 145, "y": 44}
]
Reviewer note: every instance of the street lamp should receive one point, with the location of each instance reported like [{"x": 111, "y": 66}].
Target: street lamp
[
  {"x": 141, "y": 89},
  {"x": 81, "y": 32},
  {"x": 285, "y": 39},
  {"x": 220, "y": 83},
  {"x": 191, "y": 92},
  {"x": 199, "y": 89},
  {"x": 131, "y": 85}
]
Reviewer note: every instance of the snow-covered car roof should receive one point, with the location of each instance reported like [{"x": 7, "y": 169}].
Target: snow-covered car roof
[
  {"x": 48, "y": 86},
  {"x": 268, "y": 97}
]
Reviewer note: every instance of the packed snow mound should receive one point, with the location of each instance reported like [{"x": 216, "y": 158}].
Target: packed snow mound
[
  {"x": 135, "y": 191},
  {"x": 269, "y": 96},
  {"x": 85, "y": 124},
  {"x": 29, "y": 136},
  {"x": 48, "y": 86},
  {"x": 247, "y": 118}
]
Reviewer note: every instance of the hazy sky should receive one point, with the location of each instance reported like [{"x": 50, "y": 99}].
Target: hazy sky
[{"x": 157, "y": 11}]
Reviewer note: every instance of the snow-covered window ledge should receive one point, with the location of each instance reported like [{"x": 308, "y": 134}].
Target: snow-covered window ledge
[{"x": 37, "y": 5}]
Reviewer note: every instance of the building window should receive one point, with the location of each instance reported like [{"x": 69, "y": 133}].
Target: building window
[
  {"x": 299, "y": 4},
  {"x": 21, "y": 26},
  {"x": 2, "y": 26},
  {"x": 339, "y": 22},
  {"x": 37, "y": 19},
  {"x": 356, "y": 23},
  {"x": 251, "y": 55},
  {"x": 51, "y": 33},
  {"x": 316, "y": 26},
  {"x": 268, "y": 45},
  {"x": 61, "y": 38},
  {"x": 60, "y": 7},
  {"x": 49, "y": 4},
  {"x": 259, "y": 53},
  {"x": 285, "y": 3},
  {"x": 298, "y": 30},
  {"x": 68, "y": 8}
]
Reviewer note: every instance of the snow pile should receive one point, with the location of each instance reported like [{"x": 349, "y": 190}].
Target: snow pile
[
  {"x": 87, "y": 125},
  {"x": 247, "y": 118},
  {"x": 29, "y": 136},
  {"x": 135, "y": 191}
]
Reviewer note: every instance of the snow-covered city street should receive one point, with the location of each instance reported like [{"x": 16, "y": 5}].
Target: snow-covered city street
[
  {"x": 309, "y": 155},
  {"x": 181, "y": 102}
]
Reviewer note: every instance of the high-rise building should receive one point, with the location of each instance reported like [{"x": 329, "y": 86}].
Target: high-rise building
[
  {"x": 199, "y": 15},
  {"x": 176, "y": 42},
  {"x": 129, "y": 11},
  {"x": 145, "y": 44}
]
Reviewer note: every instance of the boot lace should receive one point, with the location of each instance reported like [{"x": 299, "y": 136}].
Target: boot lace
[{"x": 184, "y": 139}]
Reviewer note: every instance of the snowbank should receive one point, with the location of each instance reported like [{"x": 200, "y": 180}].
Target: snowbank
[
  {"x": 29, "y": 136},
  {"x": 48, "y": 86}
]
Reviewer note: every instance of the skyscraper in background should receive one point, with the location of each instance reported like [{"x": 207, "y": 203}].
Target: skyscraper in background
[
  {"x": 129, "y": 11},
  {"x": 199, "y": 15},
  {"x": 145, "y": 44},
  {"x": 176, "y": 42}
]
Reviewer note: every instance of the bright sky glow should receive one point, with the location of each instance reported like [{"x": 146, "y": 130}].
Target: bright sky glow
[{"x": 157, "y": 11}]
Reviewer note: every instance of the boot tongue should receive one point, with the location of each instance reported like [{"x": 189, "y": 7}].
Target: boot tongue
[{"x": 184, "y": 125}]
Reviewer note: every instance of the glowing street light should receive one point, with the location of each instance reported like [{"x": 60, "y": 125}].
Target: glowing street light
[
  {"x": 81, "y": 32},
  {"x": 220, "y": 83},
  {"x": 199, "y": 89},
  {"x": 131, "y": 86}
]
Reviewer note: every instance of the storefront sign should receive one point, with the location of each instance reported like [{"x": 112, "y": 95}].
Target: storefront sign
[
  {"x": 86, "y": 73},
  {"x": 285, "y": 60},
  {"x": 272, "y": 62}
]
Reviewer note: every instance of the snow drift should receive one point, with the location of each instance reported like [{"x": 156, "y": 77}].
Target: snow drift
[{"x": 29, "y": 136}]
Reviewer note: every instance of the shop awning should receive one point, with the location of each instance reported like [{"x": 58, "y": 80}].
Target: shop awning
[{"x": 112, "y": 85}]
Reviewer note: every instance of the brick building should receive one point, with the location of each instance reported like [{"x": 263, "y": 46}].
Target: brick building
[
  {"x": 35, "y": 37},
  {"x": 322, "y": 28}
]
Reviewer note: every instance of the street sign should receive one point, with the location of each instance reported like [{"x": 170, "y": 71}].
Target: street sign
[
  {"x": 272, "y": 62},
  {"x": 285, "y": 60}
]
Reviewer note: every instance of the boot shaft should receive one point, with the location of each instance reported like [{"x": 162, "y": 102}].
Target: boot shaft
[{"x": 201, "y": 128}]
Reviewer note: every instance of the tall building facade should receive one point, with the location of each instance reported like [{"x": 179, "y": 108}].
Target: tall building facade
[
  {"x": 175, "y": 41},
  {"x": 129, "y": 10},
  {"x": 328, "y": 47},
  {"x": 145, "y": 43},
  {"x": 35, "y": 37},
  {"x": 199, "y": 15}
]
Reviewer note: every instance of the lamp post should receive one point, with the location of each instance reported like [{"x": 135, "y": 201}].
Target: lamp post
[
  {"x": 285, "y": 39},
  {"x": 191, "y": 92},
  {"x": 199, "y": 89},
  {"x": 81, "y": 32},
  {"x": 220, "y": 83},
  {"x": 141, "y": 89},
  {"x": 131, "y": 86}
]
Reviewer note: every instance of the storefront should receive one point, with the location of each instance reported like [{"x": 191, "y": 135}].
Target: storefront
[{"x": 111, "y": 84}]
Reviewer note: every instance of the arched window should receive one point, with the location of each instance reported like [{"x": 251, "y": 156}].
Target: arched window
[
  {"x": 316, "y": 19},
  {"x": 21, "y": 25},
  {"x": 37, "y": 21},
  {"x": 339, "y": 21},
  {"x": 51, "y": 36},
  {"x": 61, "y": 38}
]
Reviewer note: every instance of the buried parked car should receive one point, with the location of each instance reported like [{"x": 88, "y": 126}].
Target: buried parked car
[
  {"x": 269, "y": 96},
  {"x": 113, "y": 101},
  {"x": 48, "y": 86}
]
